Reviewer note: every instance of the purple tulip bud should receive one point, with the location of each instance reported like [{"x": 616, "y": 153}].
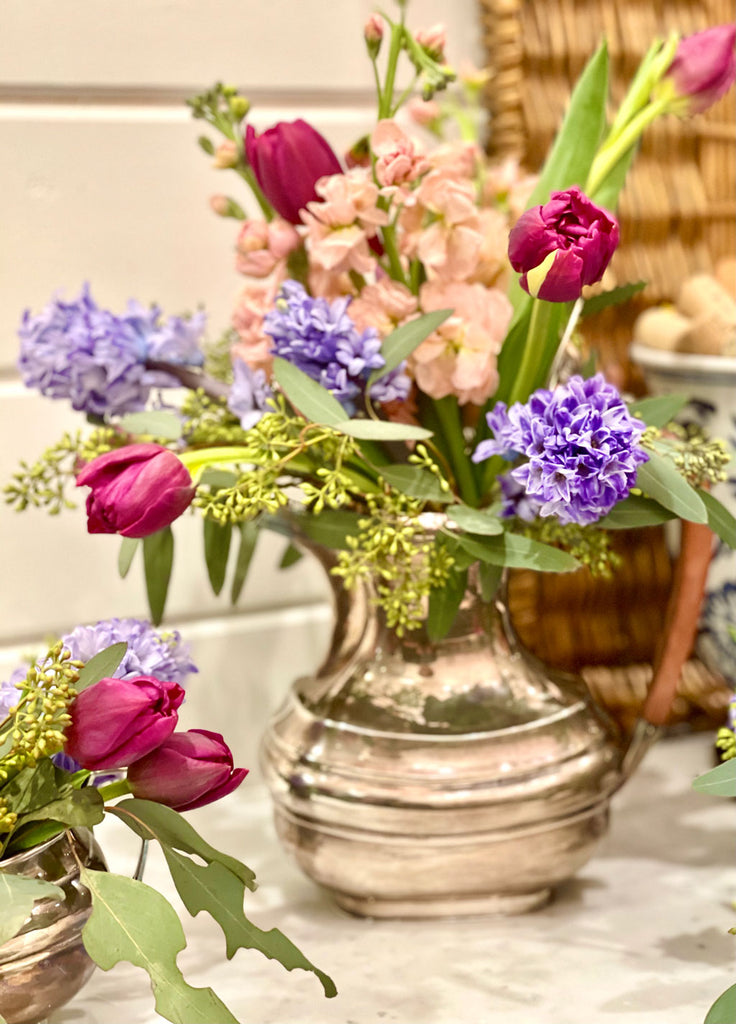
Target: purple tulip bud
[
  {"x": 189, "y": 770},
  {"x": 117, "y": 721},
  {"x": 287, "y": 161},
  {"x": 563, "y": 245},
  {"x": 704, "y": 67},
  {"x": 136, "y": 490}
]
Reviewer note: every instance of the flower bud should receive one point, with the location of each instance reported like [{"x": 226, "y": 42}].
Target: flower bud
[
  {"x": 433, "y": 40},
  {"x": 223, "y": 206},
  {"x": 136, "y": 490},
  {"x": 287, "y": 161},
  {"x": 226, "y": 155},
  {"x": 563, "y": 245},
  {"x": 188, "y": 770},
  {"x": 703, "y": 69},
  {"x": 239, "y": 107},
  {"x": 373, "y": 33},
  {"x": 117, "y": 721}
]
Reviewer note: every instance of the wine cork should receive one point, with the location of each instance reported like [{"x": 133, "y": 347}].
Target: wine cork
[
  {"x": 702, "y": 295},
  {"x": 663, "y": 328}
]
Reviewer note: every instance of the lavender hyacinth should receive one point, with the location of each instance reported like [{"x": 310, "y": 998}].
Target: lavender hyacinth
[
  {"x": 151, "y": 652},
  {"x": 581, "y": 450},
  {"x": 97, "y": 359},
  {"x": 319, "y": 338},
  {"x": 249, "y": 394}
]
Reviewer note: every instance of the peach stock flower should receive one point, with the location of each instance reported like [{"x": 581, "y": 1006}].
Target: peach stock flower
[
  {"x": 460, "y": 357},
  {"x": 442, "y": 227},
  {"x": 337, "y": 229},
  {"x": 261, "y": 247},
  {"x": 398, "y": 160},
  {"x": 255, "y": 300},
  {"x": 383, "y": 305}
]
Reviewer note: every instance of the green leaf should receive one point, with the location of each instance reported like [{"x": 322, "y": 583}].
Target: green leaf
[
  {"x": 517, "y": 552},
  {"x": 133, "y": 922},
  {"x": 444, "y": 602},
  {"x": 660, "y": 479},
  {"x": 475, "y": 520},
  {"x": 218, "y": 479},
  {"x": 101, "y": 666},
  {"x": 290, "y": 557},
  {"x": 720, "y": 781},
  {"x": 17, "y": 896},
  {"x": 720, "y": 519},
  {"x": 635, "y": 511},
  {"x": 81, "y": 808},
  {"x": 158, "y": 560},
  {"x": 217, "y": 537},
  {"x": 150, "y": 820},
  {"x": 381, "y": 430},
  {"x": 400, "y": 344},
  {"x": 32, "y": 835},
  {"x": 416, "y": 483},
  {"x": 658, "y": 411},
  {"x": 723, "y": 1010},
  {"x": 32, "y": 787},
  {"x": 158, "y": 422},
  {"x": 613, "y": 297},
  {"x": 128, "y": 548},
  {"x": 308, "y": 397},
  {"x": 331, "y": 528},
  {"x": 489, "y": 577},
  {"x": 248, "y": 539},
  {"x": 217, "y": 891}
]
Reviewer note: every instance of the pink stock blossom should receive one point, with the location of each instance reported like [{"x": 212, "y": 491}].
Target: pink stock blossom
[
  {"x": 433, "y": 40},
  {"x": 507, "y": 184},
  {"x": 337, "y": 229},
  {"x": 254, "y": 301},
  {"x": 457, "y": 159},
  {"x": 493, "y": 265},
  {"x": 443, "y": 227},
  {"x": 423, "y": 112},
  {"x": 261, "y": 246},
  {"x": 398, "y": 161},
  {"x": 383, "y": 305}
]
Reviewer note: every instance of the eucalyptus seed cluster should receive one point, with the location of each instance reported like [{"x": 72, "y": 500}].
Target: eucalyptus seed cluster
[
  {"x": 700, "y": 459},
  {"x": 397, "y": 558},
  {"x": 589, "y": 545},
  {"x": 726, "y": 743},
  {"x": 35, "y": 726},
  {"x": 209, "y": 422}
]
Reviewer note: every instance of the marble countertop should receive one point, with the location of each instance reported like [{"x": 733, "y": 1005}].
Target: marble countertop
[{"x": 639, "y": 936}]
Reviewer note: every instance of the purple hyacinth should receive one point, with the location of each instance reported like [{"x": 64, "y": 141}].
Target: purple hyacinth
[
  {"x": 249, "y": 394},
  {"x": 97, "y": 359},
  {"x": 151, "y": 652},
  {"x": 320, "y": 339},
  {"x": 580, "y": 447}
]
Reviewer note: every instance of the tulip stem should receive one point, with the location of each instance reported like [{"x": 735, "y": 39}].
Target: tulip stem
[
  {"x": 450, "y": 421},
  {"x": 114, "y": 789},
  {"x": 616, "y": 148},
  {"x": 539, "y": 326}
]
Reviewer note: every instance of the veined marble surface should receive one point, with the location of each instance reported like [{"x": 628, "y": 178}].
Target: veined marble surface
[{"x": 640, "y": 936}]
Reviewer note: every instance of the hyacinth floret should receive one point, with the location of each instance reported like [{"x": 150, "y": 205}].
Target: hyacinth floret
[
  {"x": 319, "y": 338},
  {"x": 151, "y": 652},
  {"x": 577, "y": 447},
  {"x": 249, "y": 394},
  {"x": 97, "y": 359}
]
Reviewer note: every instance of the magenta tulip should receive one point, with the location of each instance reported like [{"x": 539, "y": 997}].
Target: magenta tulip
[
  {"x": 704, "y": 67},
  {"x": 136, "y": 490},
  {"x": 117, "y": 721},
  {"x": 563, "y": 245},
  {"x": 287, "y": 161},
  {"x": 189, "y": 770}
]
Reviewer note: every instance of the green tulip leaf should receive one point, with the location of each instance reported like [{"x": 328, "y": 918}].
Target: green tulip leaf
[
  {"x": 158, "y": 423},
  {"x": 517, "y": 552},
  {"x": 126, "y": 554},
  {"x": 720, "y": 519},
  {"x": 719, "y": 781},
  {"x": 158, "y": 560},
  {"x": 660, "y": 479},
  {"x": 17, "y": 896},
  {"x": 658, "y": 411},
  {"x": 381, "y": 430},
  {"x": 308, "y": 397},
  {"x": 290, "y": 557},
  {"x": 475, "y": 520},
  {"x": 723, "y": 1010},
  {"x": 101, "y": 666},
  {"x": 416, "y": 483},
  {"x": 217, "y": 537},
  {"x": 444, "y": 602},
  {"x": 635, "y": 511},
  {"x": 248, "y": 540},
  {"x": 400, "y": 344},
  {"x": 131, "y": 921},
  {"x": 613, "y": 297}
]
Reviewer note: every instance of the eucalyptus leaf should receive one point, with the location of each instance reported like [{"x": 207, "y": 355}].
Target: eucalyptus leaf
[
  {"x": 217, "y": 537},
  {"x": 489, "y": 577},
  {"x": 217, "y": 891},
  {"x": 308, "y": 397},
  {"x": 290, "y": 557},
  {"x": 400, "y": 344},
  {"x": 157, "y": 422},
  {"x": 33, "y": 834},
  {"x": 131, "y": 921},
  {"x": 126, "y": 554},
  {"x": 158, "y": 560},
  {"x": 444, "y": 602},
  {"x": 723, "y": 1010},
  {"x": 719, "y": 781},
  {"x": 331, "y": 528},
  {"x": 720, "y": 519},
  {"x": 613, "y": 297},
  {"x": 248, "y": 540},
  {"x": 381, "y": 430},
  {"x": 660, "y": 479},
  {"x": 659, "y": 410},
  {"x": 17, "y": 896},
  {"x": 218, "y": 479},
  {"x": 81, "y": 808},
  {"x": 101, "y": 665},
  {"x": 33, "y": 786},
  {"x": 475, "y": 520},
  {"x": 517, "y": 552},
  {"x": 635, "y": 511},
  {"x": 416, "y": 483}
]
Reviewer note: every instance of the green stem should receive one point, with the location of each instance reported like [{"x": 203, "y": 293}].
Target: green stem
[
  {"x": 448, "y": 415},
  {"x": 114, "y": 789},
  {"x": 246, "y": 173},
  {"x": 388, "y": 237},
  {"x": 386, "y": 98},
  {"x": 615, "y": 148},
  {"x": 538, "y": 327}
]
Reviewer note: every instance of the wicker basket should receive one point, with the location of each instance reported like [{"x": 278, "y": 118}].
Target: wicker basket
[{"x": 678, "y": 217}]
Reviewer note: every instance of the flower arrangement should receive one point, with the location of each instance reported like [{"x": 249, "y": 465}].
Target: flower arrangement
[
  {"x": 405, "y": 342},
  {"x": 92, "y": 721}
]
